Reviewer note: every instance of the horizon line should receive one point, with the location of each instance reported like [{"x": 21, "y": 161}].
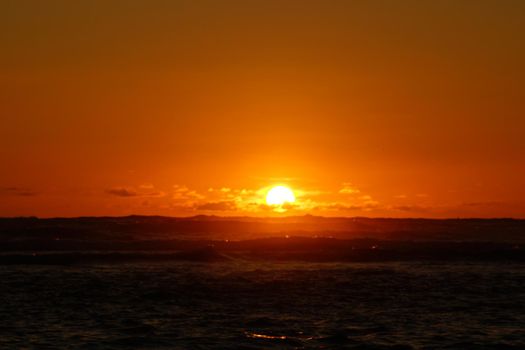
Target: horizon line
[{"x": 252, "y": 217}]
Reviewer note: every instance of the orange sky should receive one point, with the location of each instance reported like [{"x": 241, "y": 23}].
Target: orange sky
[{"x": 364, "y": 108}]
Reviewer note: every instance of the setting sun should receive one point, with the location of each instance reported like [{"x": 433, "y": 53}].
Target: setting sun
[{"x": 280, "y": 195}]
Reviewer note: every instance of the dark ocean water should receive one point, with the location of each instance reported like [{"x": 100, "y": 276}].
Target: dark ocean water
[{"x": 255, "y": 305}]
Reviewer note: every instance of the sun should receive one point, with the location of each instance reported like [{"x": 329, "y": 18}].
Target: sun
[{"x": 279, "y": 195}]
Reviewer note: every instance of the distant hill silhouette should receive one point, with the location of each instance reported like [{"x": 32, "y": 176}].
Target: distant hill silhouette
[
  {"x": 211, "y": 238},
  {"x": 235, "y": 228}
]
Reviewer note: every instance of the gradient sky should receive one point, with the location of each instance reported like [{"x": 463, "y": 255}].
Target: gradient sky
[{"x": 364, "y": 108}]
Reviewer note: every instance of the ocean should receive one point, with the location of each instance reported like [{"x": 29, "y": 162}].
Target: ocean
[{"x": 241, "y": 304}]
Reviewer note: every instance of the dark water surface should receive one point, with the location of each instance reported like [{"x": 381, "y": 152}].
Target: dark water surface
[{"x": 255, "y": 305}]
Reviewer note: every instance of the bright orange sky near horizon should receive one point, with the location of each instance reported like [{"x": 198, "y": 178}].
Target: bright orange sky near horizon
[{"x": 363, "y": 108}]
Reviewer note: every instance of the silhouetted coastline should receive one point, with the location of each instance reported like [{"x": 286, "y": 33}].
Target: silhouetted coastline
[{"x": 314, "y": 239}]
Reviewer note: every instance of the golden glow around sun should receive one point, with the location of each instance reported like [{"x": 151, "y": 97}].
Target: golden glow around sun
[{"x": 279, "y": 195}]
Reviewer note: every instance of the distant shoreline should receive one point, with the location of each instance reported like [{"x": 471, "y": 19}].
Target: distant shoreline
[
  {"x": 309, "y": 238},
  {"x": 253, "y": 218}
]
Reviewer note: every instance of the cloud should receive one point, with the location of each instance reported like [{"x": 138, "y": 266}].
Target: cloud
[
  {"x": 222, "y": 189},
  {"x": 228, "y": 199},
  {"x": 217, "y": 206},
  {"x": 131, "y": 192},
  {"x": 154, "y": 194},
  {"x": 17, "y": 191},
  {"x": 481, "y": 204},
  {"x": 221, "y": 199},
  {"x": 348, "y": 188},
  {"x": 122, "y": 192},
  {"x": 410, "y": 208},
  {"x": 253, "y": 200},
  {"x": 184, "y": 193},
  {"x": 369, "y": 202},
  {"x": 339, "y": 207}
]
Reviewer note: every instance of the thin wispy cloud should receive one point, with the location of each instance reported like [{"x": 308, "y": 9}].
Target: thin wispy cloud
[
  {"x": 121, "y": 192},
  {"x": 217, "y": 206},
  {"x": 132, "y": 192},
  {"x": 17, "y": 191},
  {"x": 348, "y": 188}
]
